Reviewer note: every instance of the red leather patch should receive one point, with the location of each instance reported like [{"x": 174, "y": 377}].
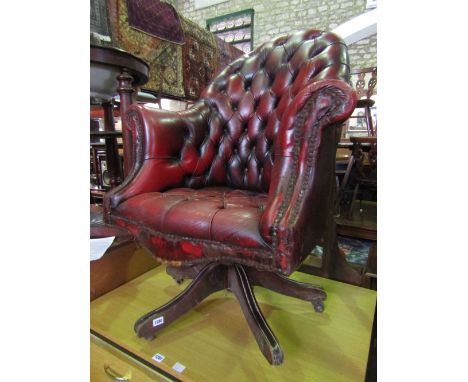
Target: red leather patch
[
  {"x": 120, "y": 222},
  {"x": 191, "y": 248},
  {"x": 283, "y": 262},
  {"x": 158, "y": 241}
]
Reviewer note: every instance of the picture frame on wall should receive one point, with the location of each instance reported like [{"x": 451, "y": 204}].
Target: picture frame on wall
[{"x": 235, "y": 28}]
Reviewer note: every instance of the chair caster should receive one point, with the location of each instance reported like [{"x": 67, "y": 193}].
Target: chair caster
[
  {"x": 318, "y": 306},
  {"x": 148, "y": 337},
  {"x": 178, "y": 280}
]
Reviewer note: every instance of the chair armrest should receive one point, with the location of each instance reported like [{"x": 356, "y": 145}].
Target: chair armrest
[
  {"x": 158, "y": 138},
  {"x": 303, "y": 170}
]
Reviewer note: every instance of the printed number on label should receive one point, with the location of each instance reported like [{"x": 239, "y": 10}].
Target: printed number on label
[
  {"x": 158, "y": 321},
  {"x": 158, "y": 357}
]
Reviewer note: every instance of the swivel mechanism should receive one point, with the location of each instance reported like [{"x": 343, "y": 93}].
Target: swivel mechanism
[{"x": 239, "y": 279}]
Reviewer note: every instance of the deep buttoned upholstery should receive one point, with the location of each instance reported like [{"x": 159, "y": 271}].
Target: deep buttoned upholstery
[{"x": 245, "y": 175}]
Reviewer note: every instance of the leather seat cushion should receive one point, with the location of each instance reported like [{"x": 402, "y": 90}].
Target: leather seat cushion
[{"x": 218, "y": 214}]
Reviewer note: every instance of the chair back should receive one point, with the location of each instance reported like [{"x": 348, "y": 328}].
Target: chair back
[
  {"x": 364, "y": 81},
  {"x": 249, "y": 98}
]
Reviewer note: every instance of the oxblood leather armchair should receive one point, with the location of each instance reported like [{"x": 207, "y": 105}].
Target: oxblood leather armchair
[{"x": 235, "y": 191}]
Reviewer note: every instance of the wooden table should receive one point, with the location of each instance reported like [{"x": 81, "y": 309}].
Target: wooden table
[
  {"x": 124, "y": 260},
  {"x": 362, "y": 224},
  {"x": 214, "y": 342},
  {"x": 114, "y": 71}
]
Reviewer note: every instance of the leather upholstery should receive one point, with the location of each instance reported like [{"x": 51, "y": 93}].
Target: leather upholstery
[
  {"x": 212, "y": 213},
  {"x": 268, "y": 125}
]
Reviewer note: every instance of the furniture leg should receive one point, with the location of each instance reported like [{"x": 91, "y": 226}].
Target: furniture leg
[
  {"x": 353, "y": 202},
  {"x": 342, "y": 271},
  {"x": 183, "y": 272},
  {"x": 125, "y": 90},
  {"x": 345, "y": 180},
  {"x": 239, "y": 284},
  {"x": 369, "y": 279},
  {"x": 112, "y": 153},
  {"x": 370, "y": 127},
  {"x": 371, "y": 371},
  {"x": 210, "y": 279},
  {"x": 95, "y": 166},
  {"x": 289, "y": 287},
  {"x": 239, "y": 280},
  {"x": 334, "y": 265}
]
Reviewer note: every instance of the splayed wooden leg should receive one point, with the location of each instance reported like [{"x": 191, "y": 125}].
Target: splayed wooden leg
[
  {"x": 239, "y": 284},
  {"x": 289, "y": 287},
  {"x": 209, "y": 280},
  {"x": 238, "y": 279}
]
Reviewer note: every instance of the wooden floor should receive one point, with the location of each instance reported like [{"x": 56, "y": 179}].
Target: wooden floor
[{"x": 214, "y": 342}]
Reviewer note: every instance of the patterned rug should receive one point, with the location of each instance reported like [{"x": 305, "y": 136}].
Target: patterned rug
[
  {"x": 156, "y": 18},
  {"x": 175, "y": 70},
  {"x": 226, "y": 54},
  {"x": 199, "y": 57},
  {"x": 204, "y": 56},
  {"x": 163, "y": 57},
  {"x": 356, "y": 250}
]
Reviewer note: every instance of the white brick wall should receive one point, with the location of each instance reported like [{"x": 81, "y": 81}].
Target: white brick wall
[{"x": 275, "y": 17}]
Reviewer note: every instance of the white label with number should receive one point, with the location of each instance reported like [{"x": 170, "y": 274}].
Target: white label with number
[
  {"x": 158, "y": 321},
  {"x": 158, "y": 357},
  {"x": 178, "y": 367}
]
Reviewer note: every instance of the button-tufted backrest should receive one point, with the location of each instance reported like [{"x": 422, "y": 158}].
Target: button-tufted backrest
[{"x": 247, "y": 101}]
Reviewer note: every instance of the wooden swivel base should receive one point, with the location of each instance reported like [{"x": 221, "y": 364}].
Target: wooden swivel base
[{"x": 238, "y": 279}]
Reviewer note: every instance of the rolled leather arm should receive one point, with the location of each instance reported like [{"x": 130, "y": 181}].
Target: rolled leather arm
[
  {"x": 304, "y": 159},
  {"x": 158, "y": 137}
]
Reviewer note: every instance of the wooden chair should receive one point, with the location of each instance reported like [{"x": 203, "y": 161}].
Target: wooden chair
[
  {"x": 361, "y": 173},
  {"x": 237, "y": 190},
  {"x": 365, "y": 90}
]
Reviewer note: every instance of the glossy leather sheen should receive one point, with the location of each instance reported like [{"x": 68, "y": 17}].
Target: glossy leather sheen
[{"x": 245, "y": 175}]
